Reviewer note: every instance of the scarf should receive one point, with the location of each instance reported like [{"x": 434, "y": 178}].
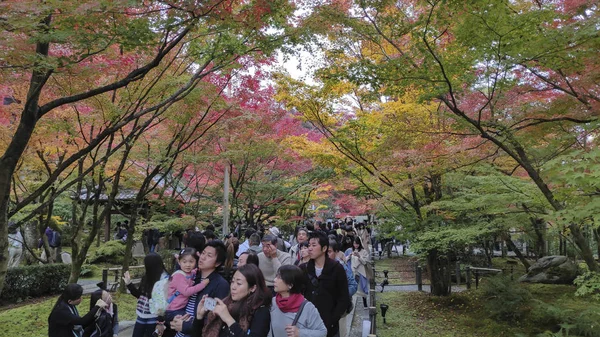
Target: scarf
[
  {"x": 214, "y": 324},
  {"x": 289, "y": 304}
]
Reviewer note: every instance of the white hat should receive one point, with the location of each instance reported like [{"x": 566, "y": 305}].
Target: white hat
[{"x": 274, "y": 231}]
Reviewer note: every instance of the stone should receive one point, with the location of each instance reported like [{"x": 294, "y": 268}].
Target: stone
[
  {"x": 66, "y": 258},
  {"x": 551, "y": 270},
  {"x": 138, "y": 249}
]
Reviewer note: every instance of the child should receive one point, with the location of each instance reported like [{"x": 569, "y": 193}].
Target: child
[
  {"x": 107, "y": 319},
  {"x": 181, "y": 285}
]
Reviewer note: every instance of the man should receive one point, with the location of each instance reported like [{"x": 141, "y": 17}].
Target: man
[
  {"x": 255, "y": 245},
  {"x": 15, "y": 245},
  {"x": 334, "y": 253},
  {"x": 301, "y": 236},
  {"x": 270, "y": 259},
  {"x": 327, "y": 287},
  {"x": 246, "y": 244},
  {"x": 282, "y": 245},
  {"x": 211, "y": 258}
]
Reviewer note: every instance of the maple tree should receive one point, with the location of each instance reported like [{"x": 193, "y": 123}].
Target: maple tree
[
  {"x": 55, "y": 56},
  {"x": 510, "y": 83}
]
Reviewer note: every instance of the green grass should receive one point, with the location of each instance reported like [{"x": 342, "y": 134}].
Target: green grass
[
  {"x": 464, "y": 314},
  {"x": 31, "y": 319}
]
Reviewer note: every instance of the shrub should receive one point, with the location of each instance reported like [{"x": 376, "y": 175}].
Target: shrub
[
  {"x": 588, "y": 284},
  {"x": 34, "y": 281},
  {"x": 506, "y": 299},
  {"x": 109, "y": 252}
]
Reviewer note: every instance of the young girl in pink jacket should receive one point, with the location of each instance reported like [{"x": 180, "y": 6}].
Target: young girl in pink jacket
[{"x": 181, "y": 285}]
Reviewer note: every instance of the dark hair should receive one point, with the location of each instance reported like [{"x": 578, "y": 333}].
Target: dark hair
[
  {"x": 249, "y": 232},
  {"x": 357, "y": 240},
  {"x": 252, "y": 257},
  {"x": 220, "y": 249},
  {"x": 270, "y": 238},
  {"x": 292, "y": 276},
  {"x": 154, "y": 268},
  {"x": 301, "y": 229},
  {"x": 96, "y": 295},
  {"x": 196, "y": 240},
  {"x": 303, "y": 244},
  {"x": 262, "y": 295},
  {"x": 334, "y": 245},
  {"x": 210, "y": 235},
  {"x": 321, "y": 237},
  {"x": 188, "y": 251},
  {"x": 254, "y": 238},
  {"x": 72, "y": 292}
]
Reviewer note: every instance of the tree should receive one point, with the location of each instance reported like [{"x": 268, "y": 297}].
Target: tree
[
  {"x": 518, "y": 74},
  {"x": 52, "y": 45}
]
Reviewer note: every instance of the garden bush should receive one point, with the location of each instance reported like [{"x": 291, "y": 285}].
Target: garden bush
[
  {"x": 109, "y": 252},
  {"x": 506, "y": 300},
  {"x": 34, "y": 281}
]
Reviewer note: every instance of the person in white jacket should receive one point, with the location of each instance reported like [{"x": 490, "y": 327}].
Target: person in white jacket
[
  {"x": 15, "y": 246},
  {"x": 360, "y": 258},
  {"x": 289, "y": 303}
]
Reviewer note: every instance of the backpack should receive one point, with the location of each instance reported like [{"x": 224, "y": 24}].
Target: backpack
[
  {"x": 160, "y": 296},
  {"x": 54, "y": 240},
  {"x": 103, "y": 325}
]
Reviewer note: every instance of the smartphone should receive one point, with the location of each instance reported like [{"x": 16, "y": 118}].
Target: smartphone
[{"x": 209, "y": 303}]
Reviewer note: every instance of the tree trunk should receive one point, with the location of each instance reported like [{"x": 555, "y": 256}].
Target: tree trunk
[
  {"x": 18, "y": 144},
  {"x": 439, "y": 269},
  {"x": 514, "y": 248},
  {"x": 597, "y": 237},
  {"x": 539, "y": 227}
]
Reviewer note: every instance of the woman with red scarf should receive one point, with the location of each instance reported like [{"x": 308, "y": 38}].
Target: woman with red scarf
[{"x": 289, "y": 307}]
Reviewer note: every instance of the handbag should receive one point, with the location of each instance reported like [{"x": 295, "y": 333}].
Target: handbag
[{"x": 297, "y": 317}]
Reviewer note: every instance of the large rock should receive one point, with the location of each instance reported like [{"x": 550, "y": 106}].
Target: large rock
[{"x": 551, "y": 270}]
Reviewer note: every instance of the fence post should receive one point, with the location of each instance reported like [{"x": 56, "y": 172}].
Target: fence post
[
  {"x": 105, "y": 277},
  {"x": 373, "y": 319},
  {"x": 457, "y": 273},
  {"x": 468, "y": 270},
  {"x": 476, "y": 279},
  {"x": 419, "y": 278}
]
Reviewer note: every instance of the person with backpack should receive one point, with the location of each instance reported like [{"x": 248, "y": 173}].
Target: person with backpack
[
  {"x": 146, "y": 322},
  {"x": 181, "y": 283},
  {"x": 106, "y": 323},
  {"x": 292, "y": 314}
]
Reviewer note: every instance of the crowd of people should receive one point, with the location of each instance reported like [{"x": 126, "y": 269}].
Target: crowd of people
[{"x": 263, "y": 286}]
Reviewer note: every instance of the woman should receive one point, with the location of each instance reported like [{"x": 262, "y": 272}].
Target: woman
[
  {"x": 245, "y": 312},
  {"x": 146, "y": 322},
  {"x": 360, "y": 258},
  {"x": 289, "y": 283},
  {"x": 106, "y": 323},
  {"x": 303, "y": 246},
  {"x": 64, "y": 318}
]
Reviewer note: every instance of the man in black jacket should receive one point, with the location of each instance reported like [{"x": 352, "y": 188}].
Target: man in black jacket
[{"x": 327, "y": 287}]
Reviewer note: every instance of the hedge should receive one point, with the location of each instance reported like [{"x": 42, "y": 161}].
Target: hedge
[{"x": 34, "y": 281}]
